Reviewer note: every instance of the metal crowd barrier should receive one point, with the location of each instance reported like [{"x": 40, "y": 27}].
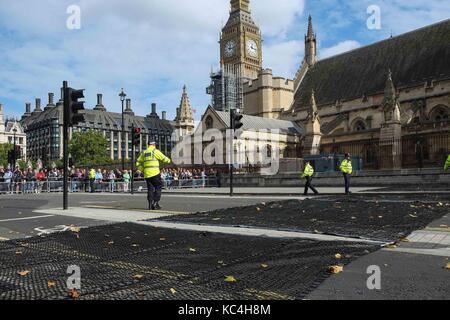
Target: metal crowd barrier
[{"x": 86, "y": 186}]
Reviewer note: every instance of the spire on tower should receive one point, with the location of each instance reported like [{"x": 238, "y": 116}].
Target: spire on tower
[
  {"x": 310, "y": 34},
  {"x": 310, "y": 45}
]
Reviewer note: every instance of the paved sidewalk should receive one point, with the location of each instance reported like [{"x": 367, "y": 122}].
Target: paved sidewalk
[{"x": 266, "y": 191}]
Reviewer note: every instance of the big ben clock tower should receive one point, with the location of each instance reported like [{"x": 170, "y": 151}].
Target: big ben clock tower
[{"x": 240, "y": 42}]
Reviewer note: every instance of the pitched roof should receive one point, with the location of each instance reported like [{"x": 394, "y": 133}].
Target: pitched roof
[
  {"x": 259, "y": 123},
  {"x": 413, "y": 57},
  {"x": 112, "y": 119}
]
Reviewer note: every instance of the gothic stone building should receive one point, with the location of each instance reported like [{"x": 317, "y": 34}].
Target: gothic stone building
[
  {"x": 44, "y": 129},
  {"x": 388, "y": 102}
]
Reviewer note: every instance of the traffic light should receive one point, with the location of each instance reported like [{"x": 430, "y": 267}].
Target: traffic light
[
  {"x": 137, "y": 136},
  {"x": 236, "y": 122},
  {"x": 73, "y": 106}
]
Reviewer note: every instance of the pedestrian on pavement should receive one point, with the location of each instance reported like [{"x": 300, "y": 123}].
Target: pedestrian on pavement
[
  {"x": 347, "y": 170},
  {"x": 148, "y": 162},
  {"x": 126, "y": 181},
  {"x": 92, "y": 180},
  {"x": 447, "y": 163},
  {"x": 308, "y": 174}
]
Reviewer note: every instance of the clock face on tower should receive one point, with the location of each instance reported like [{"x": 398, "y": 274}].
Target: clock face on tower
[
  {"x": 230, "y": 48},
  {"x": 252, "y": 48}
]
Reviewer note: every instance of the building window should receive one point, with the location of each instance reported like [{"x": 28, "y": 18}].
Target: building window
[
  {"x": 209, "y": 123},
  {"x": 360, "y": 126},
  {"x": 440, "y": 113}
]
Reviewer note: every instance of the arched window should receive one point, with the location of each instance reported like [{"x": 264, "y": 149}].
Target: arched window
[
  {"x": 209, "y": 123},
  {"x": 360, "y": 126},
  {"x": 440, "y": 113}
]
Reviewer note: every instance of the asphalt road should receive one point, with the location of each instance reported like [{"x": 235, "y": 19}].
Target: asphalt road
[
  {"x": 411, "y": 270},
  {"x": 18, "y": 219}
]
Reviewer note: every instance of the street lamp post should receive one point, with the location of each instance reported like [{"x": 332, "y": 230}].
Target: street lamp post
[
  {"x": 14, "y": 159},
  {"x": 122, "y": 96}
]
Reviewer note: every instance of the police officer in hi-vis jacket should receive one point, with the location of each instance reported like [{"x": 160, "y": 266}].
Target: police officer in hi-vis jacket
[
  {"x": 148, "y": 162},
  {"x": 347, "y": 170},
  {"x": 308, "y": 173}
]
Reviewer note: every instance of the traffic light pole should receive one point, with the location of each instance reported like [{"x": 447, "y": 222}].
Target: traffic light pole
[
  {"x": 66, "y": 145},
  {"x": 231, "y": 151},
  {"x": 133, "y": 150}
]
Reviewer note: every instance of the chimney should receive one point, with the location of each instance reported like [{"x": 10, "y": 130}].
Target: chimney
[
  {"x": 100, "y": 106},
  {"x": 128, "y": 109},
  {"x": 51, "y": 103},
  {"x": 38, "y": 106},
  {"x": 60, "y": 103},
  {"x": 164, "y": 115},
  {"x": 27, "y": 111},
  {"x": 154, "y": 114}
]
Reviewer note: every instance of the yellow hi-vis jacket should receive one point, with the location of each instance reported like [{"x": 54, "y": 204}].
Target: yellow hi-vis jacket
[
  {"x": 346, "y": 166},
  {"x": 92, "y": 174},
  {"x": 447, "y": 163},
  {"x": 308, "y": 172},
  {"x": 148, "y": 162}
]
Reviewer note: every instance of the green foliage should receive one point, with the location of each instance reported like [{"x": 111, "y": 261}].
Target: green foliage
[
  {"x": 89, "y": 148},
  {"x": 4, "y": 148}
]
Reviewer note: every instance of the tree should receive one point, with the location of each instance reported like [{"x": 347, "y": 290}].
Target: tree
[
  {"x": 89, "y": 148},
  {"x": 4, "y": 148}
]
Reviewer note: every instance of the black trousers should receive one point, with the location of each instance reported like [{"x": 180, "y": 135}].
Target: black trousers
[
  {"x": 347, "y": 183},
  {"x": 154, "y": 189},
  {"x": 92, "y": 185},
  {"x": 308, "y": 185}
]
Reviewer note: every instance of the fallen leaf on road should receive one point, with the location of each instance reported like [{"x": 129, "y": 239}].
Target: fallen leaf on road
[
  {"x": 413, "y": 216},
  {"x": 135, "y": 245},
  {"x": 74, "y": 294},
  {"x": 265, "y": 266},
  {"x": 23, "y": 273},
  {"x": 138, "y": 276},
  {"x": 192, "y": 250},
  {"x": 19, "y": 252},
  {"x": 162, "y": 239},
  {"x": 111, "y": 242},
  {"x": 173, "y": 290},
  {"x": 230, "y": 279},
  {"x": 75, "y": 229},
  {"x": 448, "y": 266},
  {"x": 443, "y": 226},
  {"x": 381, "y": 217},
  {"x": 391, "y": 246},
  {"x": 353, "y": 218},
  {"x": 338, "y": 256},
  {"x": 220, "y": 262},
  {"x": 335, "y": 269},
  {"x": 258, "y": 209},
  {"x": 51, "y": 284}
]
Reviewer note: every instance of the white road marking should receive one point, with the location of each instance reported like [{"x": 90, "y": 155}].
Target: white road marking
[
  {"x": 28, "y": 218},
  {"x": 255, "y": 232}
]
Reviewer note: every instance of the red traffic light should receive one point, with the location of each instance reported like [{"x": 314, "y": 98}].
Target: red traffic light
[{"x": 137, "y": 131}]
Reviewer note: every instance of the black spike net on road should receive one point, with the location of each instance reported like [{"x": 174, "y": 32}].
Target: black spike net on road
[
  {"x": 383, "y": 218},
  {"x": 130, "y": 261}
]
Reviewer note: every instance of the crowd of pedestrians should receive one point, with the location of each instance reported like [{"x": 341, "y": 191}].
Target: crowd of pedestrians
[{"x": 98, "y": 180}]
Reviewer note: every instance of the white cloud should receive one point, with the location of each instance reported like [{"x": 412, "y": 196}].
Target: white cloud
[
  {"x": 149, "y": 47},
  {"x": 341, "y": 47},
  {"x": 284, "y": 58},
  {"x": 277, "y": 16}
]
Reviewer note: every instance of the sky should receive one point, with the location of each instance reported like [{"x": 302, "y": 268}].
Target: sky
[{"x": 152, "y": 48}]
